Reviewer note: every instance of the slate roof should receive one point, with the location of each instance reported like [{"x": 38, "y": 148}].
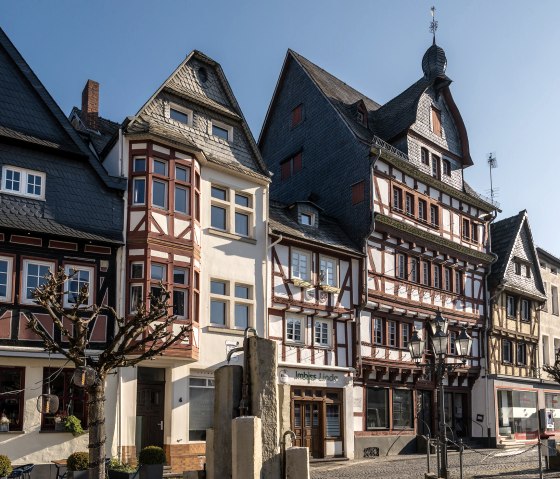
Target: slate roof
[
  {"x": 29, "y": 114},
  {"x": 504, "y": 233},
  {"x": 329, "y": 233},
  {"x": 106, "y": 130},
  {"x": 504, "y": 236},
  {"x": 26, "y": 215},
  {"x": 257, "y": 166}
]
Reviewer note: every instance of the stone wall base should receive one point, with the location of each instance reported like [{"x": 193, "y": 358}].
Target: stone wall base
[
  {"x": 367, "y": 446},
  {"x": 186, "y": 457}
]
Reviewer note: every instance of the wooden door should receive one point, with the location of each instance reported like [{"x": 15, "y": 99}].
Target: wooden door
[
  {"x": 149, "y": 415},
  {"x": 425, "y": 413},
  {"x": 308, "y": 426}
]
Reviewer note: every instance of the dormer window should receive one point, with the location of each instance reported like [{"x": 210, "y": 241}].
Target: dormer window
[
  {"x": 22, "y": 182},
  {"x": 221, "y": 130},
  {"x": 306, "y": 219},
  {"x": 361, "y": 114},
  {"x": 180, "y": 114}
]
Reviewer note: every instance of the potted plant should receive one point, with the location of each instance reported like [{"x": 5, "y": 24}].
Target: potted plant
[
  {"x": 151, "y": 459},
  {"x": 78, "y": 465},
  {"x": 120, "y": 470},
  {"x": 74, "y": 425},
  {"x": 5, "y": 466},
  {"x": 4, "y": 423},
  {"x": 59, "y": 421}
]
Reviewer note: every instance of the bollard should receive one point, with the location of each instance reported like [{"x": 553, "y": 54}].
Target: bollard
[
  {"x": 297, "y": 463},
  {"x": 428, "y": 451},
  {"x": 246, "y": 448},
  {"x": 461, "y": 448}
]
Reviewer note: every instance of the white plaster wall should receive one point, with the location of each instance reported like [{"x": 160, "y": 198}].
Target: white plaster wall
[{"x": 33, "y": 446}]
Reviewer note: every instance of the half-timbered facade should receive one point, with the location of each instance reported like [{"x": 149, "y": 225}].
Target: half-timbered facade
[
  {"x": 314, "y": 291},
  {"x": 516, "y": 297},
  {"x": 196, "y": 218},
  {"x": 549, "y": 338},
  {"x": 393, "y": 177},
  {"x": 58, "y": 209}
]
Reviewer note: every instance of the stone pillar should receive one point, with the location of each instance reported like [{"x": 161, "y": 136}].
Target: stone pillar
[
  {"x": 210, "y": 454},
  {"x": 247, "y": 452},
  {"x": 297, "y": 463},
  {"x": 263, "y": 363},
  {"x": 228, "y": 380},
  {"x": 284, "y": 403}
]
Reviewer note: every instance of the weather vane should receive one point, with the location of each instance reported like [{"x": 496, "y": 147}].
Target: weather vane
[{"x": 433, "y": 23}]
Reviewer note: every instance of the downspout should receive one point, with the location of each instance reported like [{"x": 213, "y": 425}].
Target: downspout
[
  {"x": 267, "y": 280},
  {"x": 363, "y": 304},
  {"x": 489, "y": 303},
  {"x": 121, "y": 152}
]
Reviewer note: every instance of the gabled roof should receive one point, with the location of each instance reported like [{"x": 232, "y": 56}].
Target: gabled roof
[
  {"x": 106, "y": 130},
  {"x": 30, "y": 115},
  {"x": 388, "y": 121},
  {"x": 504, "y": 234},
  {"x": 328, "y": 234},
  {"x": 231, "y": 110}
]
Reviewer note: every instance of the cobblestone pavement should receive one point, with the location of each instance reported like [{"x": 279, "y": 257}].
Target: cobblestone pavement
[{"x": 477, "y": 464}]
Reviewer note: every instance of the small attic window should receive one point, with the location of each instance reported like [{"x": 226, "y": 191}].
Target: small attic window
[
  {"x": 436, "y": 121},
  {"x": 361, "y": 115},
  {"x": 202, "y": 75},
  {"x": 306, "y": 219}
]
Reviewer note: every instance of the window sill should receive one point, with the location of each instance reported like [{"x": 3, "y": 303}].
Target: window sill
[
  {"x": 226, "y": 330},
  {"x": 225, "y": 234}
]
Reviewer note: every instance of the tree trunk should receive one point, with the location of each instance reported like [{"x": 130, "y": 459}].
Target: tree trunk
[{"x": 96, "y": 425}]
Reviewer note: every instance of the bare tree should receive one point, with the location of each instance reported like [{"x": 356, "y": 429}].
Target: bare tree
[
  {"x": 148, "y": 334},
  {"x": 554, "y": 369}
]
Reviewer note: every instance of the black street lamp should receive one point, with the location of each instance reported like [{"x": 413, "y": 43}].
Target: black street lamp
[{"x": 440, "y": 341}]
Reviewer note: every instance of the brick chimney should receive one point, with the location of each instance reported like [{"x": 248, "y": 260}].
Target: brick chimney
[{"x": 90, "y": 104}]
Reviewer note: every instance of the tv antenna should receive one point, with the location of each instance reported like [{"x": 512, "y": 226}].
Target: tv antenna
[{"x": 492, "y": 163}]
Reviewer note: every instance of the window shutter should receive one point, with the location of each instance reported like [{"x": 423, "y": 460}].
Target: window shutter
[
  {"x": 285, "y": 170},
  {"x": 436, "y": 121},
  {"x": 296, "y": 115},
  {"x": 358, "y": 193},
  {"x": 298, "y": 163}
]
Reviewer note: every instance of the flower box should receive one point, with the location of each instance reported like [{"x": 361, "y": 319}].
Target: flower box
[
  {"x": 330, "y": 289},
  {"x": 301, "y": 283}
]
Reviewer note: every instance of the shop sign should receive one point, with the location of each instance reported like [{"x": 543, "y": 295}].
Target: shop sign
[{"x": 310, "y": 377}]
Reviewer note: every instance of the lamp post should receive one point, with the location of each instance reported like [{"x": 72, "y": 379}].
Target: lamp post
[{"x": 440, "y": 340}]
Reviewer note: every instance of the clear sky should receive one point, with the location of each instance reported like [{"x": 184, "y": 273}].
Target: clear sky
[{"x": 502, "y": 55}]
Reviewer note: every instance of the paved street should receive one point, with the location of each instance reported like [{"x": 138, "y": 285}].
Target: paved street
[{"x": 482, "y": 463}]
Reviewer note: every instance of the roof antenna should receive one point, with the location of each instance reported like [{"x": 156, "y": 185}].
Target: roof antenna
[
  {"x": 433, "y": 23},
  {"x": 492, "y": 163}
]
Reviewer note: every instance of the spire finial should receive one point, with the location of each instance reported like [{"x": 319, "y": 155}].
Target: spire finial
[{"x": 433, "y": 23}]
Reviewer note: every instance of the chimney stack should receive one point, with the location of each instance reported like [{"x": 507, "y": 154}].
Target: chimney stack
[{"x": 90, "y": 104}]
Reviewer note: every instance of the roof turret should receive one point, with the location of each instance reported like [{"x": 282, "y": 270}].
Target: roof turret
[{"x": 434, "y": 62}]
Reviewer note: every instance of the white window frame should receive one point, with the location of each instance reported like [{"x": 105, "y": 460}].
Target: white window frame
[
  {"x": 139, "y": 157},
  {"x": 322, "y": 343},
  {"x": 78, "y": 267},
  {"x": 334, "y": 261},
  {"x": 185, "y": 301},
  {"x": 230, "y": 299},
  {"x": 302, "y": 333},
  {"x": 182, "y": 109},
  {"x": 9, "y": 276},
  {"x": 392, "y": 329},
  {"x": 223, "y": 126},
  {"x": 24, "y": 173},
  {"x": 308, "y": 268},
  {"x": 165, "y": 194},
  {"x": 231, "y": 208},
  {"x": 26, "y": 263},
  {"x": 134, "y": 181},
  {"x": 379, "y": 321},
  {"x": 161, "y": 161},
  {"x": 134, "y": 263},
  {"x": 133, "y": 309}
]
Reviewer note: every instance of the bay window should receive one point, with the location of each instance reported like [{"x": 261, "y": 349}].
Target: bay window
[
  {"x": 182, "y": 200},
  {"x": 159, "y": 194},
  {"x": 139, "y": 191}
]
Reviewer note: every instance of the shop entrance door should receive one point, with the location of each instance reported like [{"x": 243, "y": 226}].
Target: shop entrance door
[
  {"x": 150, "y": 407},
  {"x": 425, "y": 413},
  {"x": 308, "y": 427},
  {"x": 457, "y": 414}
]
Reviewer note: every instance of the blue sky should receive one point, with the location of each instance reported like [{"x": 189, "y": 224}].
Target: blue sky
[{"x": 502, "y": 56}]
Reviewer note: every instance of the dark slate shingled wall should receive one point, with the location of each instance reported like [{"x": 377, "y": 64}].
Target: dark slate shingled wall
[
  {"x": 333, "y": 159},
  {"x": 75, "y": 195}
]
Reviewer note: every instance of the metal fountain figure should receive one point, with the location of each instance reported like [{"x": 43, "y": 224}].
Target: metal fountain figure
[{"x": 439, "y": 366}]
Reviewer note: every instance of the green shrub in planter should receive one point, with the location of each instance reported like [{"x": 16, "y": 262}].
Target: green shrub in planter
[
  {"x": 151, "y": 460},
  {"x": 78, "y": 465},
  {"x": 5, "y": 466},
  {"x": 120, "y": 470},
  {"x": 79, "y": 461}
]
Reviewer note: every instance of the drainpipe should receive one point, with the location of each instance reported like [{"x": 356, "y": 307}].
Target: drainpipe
[
  {"x": 267, "y": 280},
  {"x": 489, "y": 303},
  {"x": 361, "y": 307}
]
